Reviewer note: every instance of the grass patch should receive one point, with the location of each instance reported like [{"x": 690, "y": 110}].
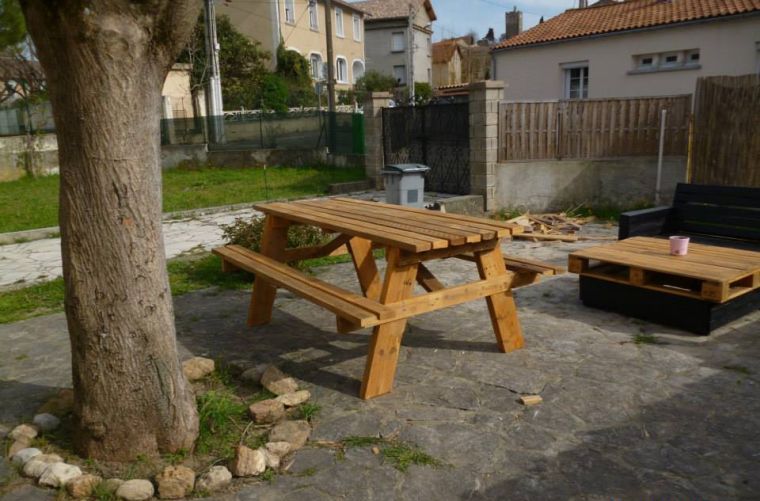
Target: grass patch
[
  {"x": 398, "y": 454},
  {"x": 185, "y": 275},
  {"x": 102, "y": 493},
  {"x": 308, "y": 411},
  {"x": 33, "y": 202},
  {"x": 738, "y": 368},
  {"x": 645, "y": 339},
  {"x": 222, "y": 420}
]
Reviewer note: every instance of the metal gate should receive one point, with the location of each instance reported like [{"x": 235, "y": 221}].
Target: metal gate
[{"x": 436, "y": 135}]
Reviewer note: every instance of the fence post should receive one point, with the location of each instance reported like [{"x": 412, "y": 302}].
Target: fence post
[
  {"x": 484, "y": 102},
  {"x": 373, "y": 136}
]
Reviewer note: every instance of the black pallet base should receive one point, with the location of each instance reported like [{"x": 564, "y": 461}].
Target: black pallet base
[{"x": 689, "y": 314}]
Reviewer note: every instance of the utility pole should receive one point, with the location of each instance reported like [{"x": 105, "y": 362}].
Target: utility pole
[
  {"x": 410, "y": 79},
  {"x": 330, "y": 57},
  {"x": 332, "y": 120},
  {"x": 214, "y": 106}
]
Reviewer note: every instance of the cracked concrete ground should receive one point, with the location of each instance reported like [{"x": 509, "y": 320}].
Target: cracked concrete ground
[{"x": 620, "y": 420}]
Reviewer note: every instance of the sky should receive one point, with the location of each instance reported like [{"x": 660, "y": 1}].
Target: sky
[{"x": 459, "y": 17}]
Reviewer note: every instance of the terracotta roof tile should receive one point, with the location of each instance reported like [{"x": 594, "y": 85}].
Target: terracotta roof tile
[
  {"x": 626, "y": 15},
  {"x": 388, "y": 9},
  {"x": 444, "y": 50}
]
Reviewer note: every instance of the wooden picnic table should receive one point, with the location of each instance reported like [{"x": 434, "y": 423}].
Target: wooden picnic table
[{"x": 410, "y": 238}]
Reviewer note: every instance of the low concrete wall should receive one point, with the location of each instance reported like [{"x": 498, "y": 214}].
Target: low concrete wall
[
  {"x": 289, "y": 157},
  {"x": 553, "y": 185},
  {"x": 13, "y": 153}
]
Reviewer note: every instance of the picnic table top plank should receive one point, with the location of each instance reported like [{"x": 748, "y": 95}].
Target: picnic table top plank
[
  {"x": 448, "y": 228},
  {"x": 379, "y": 235},
  {"x": 389, "y": 221},
  {"x": 424, "y": 219}
]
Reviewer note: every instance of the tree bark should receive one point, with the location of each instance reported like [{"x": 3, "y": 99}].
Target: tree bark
[{"x": 106, "y": 62}]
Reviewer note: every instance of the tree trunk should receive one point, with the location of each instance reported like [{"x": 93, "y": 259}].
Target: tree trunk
[{"x": 106, "y": 62}]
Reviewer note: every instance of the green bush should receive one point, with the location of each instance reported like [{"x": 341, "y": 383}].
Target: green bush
[
  {"x": 248, "y": 232},
  {"x": 274, "y": 93},
  {"x": 373, "y": 81}
]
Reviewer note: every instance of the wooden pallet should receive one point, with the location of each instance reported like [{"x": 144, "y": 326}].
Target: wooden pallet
[{"x": 714, "y": 274}]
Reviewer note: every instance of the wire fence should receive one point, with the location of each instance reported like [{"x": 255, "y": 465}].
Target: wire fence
[
  {"x": 341, "y": 133},
  {"x": 21, "y": 118}
]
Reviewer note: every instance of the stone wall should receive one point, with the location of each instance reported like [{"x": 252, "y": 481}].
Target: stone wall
[
  {"x": 14, "y": 160},
  {"x": 554, "y": 185}
]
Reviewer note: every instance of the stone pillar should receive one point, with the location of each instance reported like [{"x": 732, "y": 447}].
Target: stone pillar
[
  {"x": 373, "y": 136},
  {"x": 484, "y": 102}
]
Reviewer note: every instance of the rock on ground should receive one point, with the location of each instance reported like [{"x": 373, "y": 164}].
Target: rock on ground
[
  {"x": 296, "y": 433},
  {"x": 59, "y": 474},
  {"x": 279, "y": 449},
  {"x": 83, "y": 486},
  {"x": 135, "y": 490},
  {"x": 253, "y": 374},
  {"x": 46, "y": 421},
  {"x": 21, "y": 457},
  {"x": 295, "y": 398},
  {"x": 60, "y": 405},
  {"x": 19, "y": 445},
  {"x": 247, "y": 462},
  {"x": 36, "y": 466},
  {"x": 23, "y": 431},
  {"x": 267, "y": 411},
  {"x": 276, "y": 381},
  {"x": 112, "y": 485},
  {"x": 175, "y": 482},
  {"x": 197, "y": 368},
  {"x": 217, "y": 477},
  {"x": 272, "y": 460}
]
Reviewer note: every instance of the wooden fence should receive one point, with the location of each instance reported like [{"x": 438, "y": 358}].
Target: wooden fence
[
  {"x": 592, "y": 128},
  {"x": 726, "y": 145}
]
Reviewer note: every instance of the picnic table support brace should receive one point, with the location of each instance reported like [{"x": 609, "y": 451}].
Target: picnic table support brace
[
  {"x": 273, "y": 243},
  {"x": 501, "y": 306},
  {"x": 385, "y": 344}
]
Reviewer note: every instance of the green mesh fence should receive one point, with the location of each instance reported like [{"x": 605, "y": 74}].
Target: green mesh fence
[{"x": 342, "y": 133}]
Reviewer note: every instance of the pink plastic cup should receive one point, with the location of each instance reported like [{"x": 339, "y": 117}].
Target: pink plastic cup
[{"x": 679, "y": 246}]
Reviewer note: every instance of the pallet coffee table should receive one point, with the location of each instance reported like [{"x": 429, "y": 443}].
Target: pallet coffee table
[{"x": 699, "y": 292}]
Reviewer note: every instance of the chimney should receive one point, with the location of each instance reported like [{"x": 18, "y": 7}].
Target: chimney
[
  {"x": 514, "y": 23},
  {"x": 582, "y": 4}
]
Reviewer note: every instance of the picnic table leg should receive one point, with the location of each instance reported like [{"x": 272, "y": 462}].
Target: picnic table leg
[
  {"x": 273, "y": 241},
  {"x": 386, "y": 338},
  {"x": 366, "y": 269},
  {"x": 501, "y": 306}
]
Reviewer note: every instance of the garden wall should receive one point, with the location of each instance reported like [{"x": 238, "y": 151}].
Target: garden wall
[
  {"x": 555, "y": 185},
  {"x": 13, "y": 153}
]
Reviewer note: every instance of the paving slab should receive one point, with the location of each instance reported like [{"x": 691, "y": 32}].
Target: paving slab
[{"x": 619, "y": 419}]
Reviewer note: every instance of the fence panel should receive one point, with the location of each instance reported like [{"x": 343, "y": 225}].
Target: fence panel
[
  {"x": 592, "y": 128},
  {"x": 726, "y": 146}
]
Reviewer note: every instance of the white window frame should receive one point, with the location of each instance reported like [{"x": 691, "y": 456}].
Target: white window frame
[
  {"x": 339, "y": 31},
  {"x": 402, "y": 37},
  {"x": 320, "y": 70},
  {"x": 338, "y": 59},
  {"x": 290, "y": 11},
  {"x": 567, "y": 70},
  {"x": 400, "y": 81},
  {"x": 640, "y": 62},
  {"x": 313, "y": 16},
  {"x": 353, "y": 73},
  {"x": 357, "y": 27},
  {"x": 687, "y": 57},
  {"x": 664, "y": 59}
]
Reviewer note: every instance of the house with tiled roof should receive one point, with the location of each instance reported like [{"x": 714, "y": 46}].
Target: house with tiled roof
[
  {"x": 630, "y": 48},
  {"x": 398, "y": 38},
  {"x": 447, "y": 63}
]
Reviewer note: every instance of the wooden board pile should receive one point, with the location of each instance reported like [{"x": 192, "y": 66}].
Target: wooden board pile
[{"x": 550, "y": 226}]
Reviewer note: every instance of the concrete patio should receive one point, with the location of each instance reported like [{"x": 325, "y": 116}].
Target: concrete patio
[{"x": 678, "y": 419}]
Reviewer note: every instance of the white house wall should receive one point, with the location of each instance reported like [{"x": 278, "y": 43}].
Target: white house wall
[{"x": 727, "y": 47}]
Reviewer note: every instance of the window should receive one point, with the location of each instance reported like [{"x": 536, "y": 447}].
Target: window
[
  {"x": 646, "y": 62},
  {"x": 339, "y": 22},
  {"x": 357, "y": 28},
  {"x": 358, "y": 70},
  {"x": 399, "y": 73},
  {"x": 341, "y": 70},
  {"x": 398, "y": 42},
  {"x": 576, "y": 83},
  {"x": 669, "y": 59},
  {"x": 290, "y": 11},
  {"x": 692, "y": 57},
  {"x": 315, "y": 60},
  {"x": 313, "y": 17}
]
